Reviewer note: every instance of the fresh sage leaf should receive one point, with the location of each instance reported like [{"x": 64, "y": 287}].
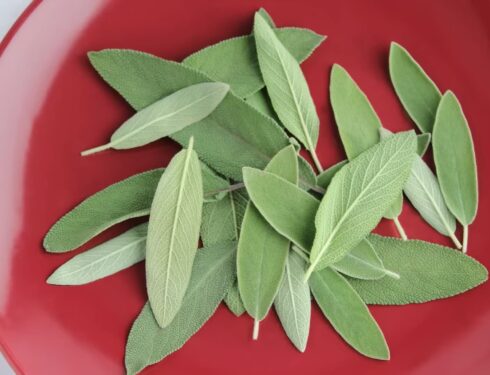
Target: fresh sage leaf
[
  {"x": 267, "y": 17},
  {"x": 286, "y": 85},
  {"x": 324, "y": 178},
  {"x": 454, "y": 157},
  {"x": 293, "y": 302},
  {"x": 173, "y": 234},
  {"x": 417, "y": 92},
  {"x": 348, "y": 314},
  {"x": 106, "y": 259},
  {"x": 427, "y": 272},
  {"x": 358, "y": 196},
  {"x": 261, "y": 102},
  {"x": 234, "y": 60},
  {"x": 167, "y": 116},
  {"x": 307, "y": 176},
  {"x": 233, "y": 300},
  {"x": 233, "y": 136},
  {"x": 423, "y": 141},
  {"x": 213, "y": 273},
  {"x": 262, "y": 252}
]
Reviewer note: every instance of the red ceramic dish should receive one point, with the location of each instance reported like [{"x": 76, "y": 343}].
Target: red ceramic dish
[{"x": 52, "y": 106}]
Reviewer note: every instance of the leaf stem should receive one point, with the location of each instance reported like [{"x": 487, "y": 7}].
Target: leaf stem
[
  {"x": 314, "y": 156},
  {"x": 400, "y": 229},
  {"x": 96, "y": 149},
  {"x": 392, "y": 274},
  {"x": 455, "y": 240},
  {"x": 308, "y": 273},
  {"x": 465, "y": 238},
  {"x": 300, "y": 252},
  {"x": 255, "y": 334}
]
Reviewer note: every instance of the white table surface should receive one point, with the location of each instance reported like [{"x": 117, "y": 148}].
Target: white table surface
[{"x": 9, "y": 11}]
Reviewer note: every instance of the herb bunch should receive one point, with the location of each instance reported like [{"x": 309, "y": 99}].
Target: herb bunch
[{"x": 274, "y": 230}]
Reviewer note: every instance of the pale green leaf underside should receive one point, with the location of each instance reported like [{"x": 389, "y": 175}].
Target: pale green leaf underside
[
  {"x": 233, "y": 136},
  {"x": 213, "y": 274},
  {"x": 416, "y": 91},
  {"x": 293, "y": 302},
  {"x": 324, "y": 178},
  {"x": 427, "y": 272},
  {"x": 173, "y": 234},
  {"x": 286, "y": 85},
  {"x": 348, "y": 314},
  {"x": 358, "y": 196},
  {"x": 454, "y": 157}
]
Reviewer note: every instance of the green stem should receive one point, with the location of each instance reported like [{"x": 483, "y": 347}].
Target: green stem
[
  {"x": 400, "y": 229},
  {"x": 455, "y": 240},
  {"x": 255, "y": 334},
  {"x": 301, "y": 253},
  {"x": 96, "y": 149},
  {"x": 314, "y": 156},
  {"x": 308, "y": 273},
  {"x": 465, "y": 238}
]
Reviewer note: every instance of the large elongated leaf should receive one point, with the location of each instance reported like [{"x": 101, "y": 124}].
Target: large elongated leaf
[
  {"x": 358, "y": 196},
  {"x": 427, "y": 272},
  {"x": 233, "y": 136},
  {"x": 212, "y": 275},
  {"x": 173, "y": 234},
  {"x": 116, "y": 203},
  {"x": 234, "y": 60},
  {"x": 293, "y": 303},
  {"x": 454, "y": 156},
  {"x": 286, "y": 85},
  {"x": 419, "y": 95},
  {"x": 262, "y": 251},
  {"x": 167, "y": 116},
  {"x": 106, "y": 259},
  {"x": 348, "y": 314}
]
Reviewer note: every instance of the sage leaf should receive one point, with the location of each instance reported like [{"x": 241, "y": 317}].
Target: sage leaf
[
  {"x": 417, "y": 92},
  {"x": 167, "y": 116},
  {"x": 173, "y": 234},
  {"x": 267, "y": 17},
  {"x": 286, "y": 85},
  {"x": 116, "y": 203},
  {"x": 324, "y": 178},
  {"x": 358, "y": 196},
  {"x": 234, "y": 60},
  {"x": 293, "y": 302},
  {"x": 427, "y": 272},
  {"x": 348, "y": 314},
  {"x": 213, "y": 273},
  {"x": 262, "y": 252},
  {"x": 423, "y": 141},
  {"x": 454, "y": 157},
  {"x": 261, "y": 102},
  {"x": 233, "y": 300},
  {"x": 307, "y": 176},
  {"x": 106, "y": 259},
  {"x": 233, "y": 136}
]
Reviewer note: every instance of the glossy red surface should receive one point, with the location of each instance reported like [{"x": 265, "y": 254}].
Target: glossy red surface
[{"x": 52, "y": 105}]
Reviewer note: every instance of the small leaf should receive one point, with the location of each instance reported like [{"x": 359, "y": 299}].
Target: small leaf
[
  {"x": 454, "y": 156},
  {"x": 233, "y": 300},
  {"x": 326, "y": 176},
  {"x": 267, "y": 17},
  {"x": 358, "y": 196},
  {"x": 167, "y": 116},
  {"x": 307, "y": 176},
  {"x": 419, "y": 95},
  {"x": 423, "y": 141},
  {"x": 173, "y": 234},
  {"x": 106, "y": 259},
  {"x": 427, "y": 272},
  {"x": 261, "y": 102},
  {"x": 213, "y": 274},
  {"x": 262, "y": 252},
  {"x": 293, "y": 302},
  {"x": 348, "y": 314},
  {"x": 286, "y": 85}
]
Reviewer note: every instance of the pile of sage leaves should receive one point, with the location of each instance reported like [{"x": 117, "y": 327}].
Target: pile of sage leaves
[{"x": 274, "y": 229}]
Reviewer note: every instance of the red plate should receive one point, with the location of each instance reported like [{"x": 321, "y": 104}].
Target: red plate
[{"x": 52, "y": 106}]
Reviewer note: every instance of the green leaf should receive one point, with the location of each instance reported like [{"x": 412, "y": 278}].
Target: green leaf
[
  {"x": 212, "y": 275},
  {"x": 417, "y": 92},
  {"x": 324, "y": 178},
  {"x": 233, "y": 136},
  {"x": 261, "y": 102},
  {"x": 293, "y": 302},
  {"x": 307, "y": 176},
  {"x": 106, "y": 259},
  {"x": 167, "y": 116},
  {"x": 362, "y": 262},
  {"x": 427, "y": 272},
  {"x": 358, "y": 196},
  {"x": 286, "y": 85},
  {"x": 423, "y": 141},
  {"x": 173, "y": 234},
  {"x": 262, "y": 251},
  {"x": 234, "y": 60},
  {"x": 454, "y": 156},
  {"x": 267, "y": 17},
  {"x": 348, "y": 314},
  {"x": 116, "y": 203},
  {"x": 233, "y": 300}
]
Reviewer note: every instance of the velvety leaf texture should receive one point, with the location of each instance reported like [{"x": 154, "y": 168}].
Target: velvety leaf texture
[
  {"x": 326, "y": 176},
  {"x": 427, "y": 272},
  {"x": 173, "y": 234},
  {"x": 212, "y": 275}
]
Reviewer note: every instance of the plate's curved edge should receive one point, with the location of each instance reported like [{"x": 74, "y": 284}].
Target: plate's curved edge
[{"x": 18, "y": 24}]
